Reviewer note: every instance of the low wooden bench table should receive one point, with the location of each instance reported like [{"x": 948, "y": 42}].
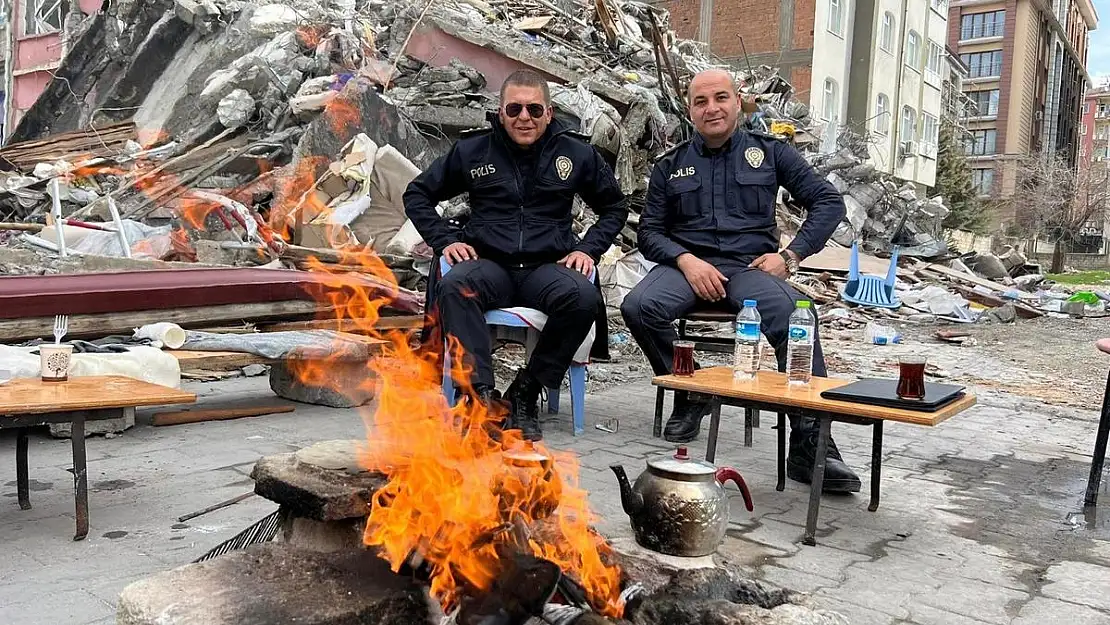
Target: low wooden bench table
[
  {"x": 30, "y": 402},
  {"x": 769, "y": 391}
]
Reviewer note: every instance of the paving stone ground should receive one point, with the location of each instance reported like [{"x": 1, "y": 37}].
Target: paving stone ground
[{"x": 981, "y": 519}]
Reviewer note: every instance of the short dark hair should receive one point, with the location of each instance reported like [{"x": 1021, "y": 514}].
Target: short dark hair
[{"x": 527, "y": 78}]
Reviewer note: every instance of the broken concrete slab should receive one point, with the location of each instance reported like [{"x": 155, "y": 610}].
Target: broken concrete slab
[
  {"x": 95, "y": 88},
  {"x": 101, "y": 426},
  {"x": 274, "y": 583},
  {"x": 350, "y": 376},
  {"x": 359, "y": 108},
  {"x": 310, "y": 491}
]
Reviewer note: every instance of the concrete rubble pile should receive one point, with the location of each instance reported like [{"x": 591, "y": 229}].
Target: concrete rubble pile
[
  {"x": 255, "y": 132},
  {"x": 882, "y": 212},
  {"x": 267, "y": 133}
]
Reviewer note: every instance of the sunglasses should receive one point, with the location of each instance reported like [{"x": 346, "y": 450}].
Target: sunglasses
[{"x": 514, "y": 109}]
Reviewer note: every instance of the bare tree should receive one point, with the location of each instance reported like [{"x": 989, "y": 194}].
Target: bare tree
[{"x": 1054, "y": 202}]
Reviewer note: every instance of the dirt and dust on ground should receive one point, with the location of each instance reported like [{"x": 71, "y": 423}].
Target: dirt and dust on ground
[{"x": 1050, "y": 360}]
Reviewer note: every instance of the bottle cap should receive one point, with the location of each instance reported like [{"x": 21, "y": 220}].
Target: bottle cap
[
  {"x": 803, "y": 303},
  {"x": 749, "y": 302}
]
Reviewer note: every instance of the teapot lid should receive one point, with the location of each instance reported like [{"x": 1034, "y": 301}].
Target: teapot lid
[{"x": 681, "y": 463}]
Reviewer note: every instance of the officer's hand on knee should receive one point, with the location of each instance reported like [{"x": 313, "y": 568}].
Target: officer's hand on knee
[
  {"x": 772, "y": 264},
  {"x": 578, "y": 261},
  {"x": 458, "y": 252},
  {"x": 708, "y": 283}
]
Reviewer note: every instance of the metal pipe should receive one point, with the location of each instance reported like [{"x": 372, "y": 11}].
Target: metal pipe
[
  {"x": 56, "y": 211},
  {"x": 119, "y": 227}
]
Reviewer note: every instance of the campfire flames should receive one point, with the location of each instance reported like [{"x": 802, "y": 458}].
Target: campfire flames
[
  {"x": 452, "y": 497},
  {"x": 460, "y": 493}
]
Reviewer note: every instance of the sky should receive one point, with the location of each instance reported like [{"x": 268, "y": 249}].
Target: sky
[{"x": 1098, "y": 53}]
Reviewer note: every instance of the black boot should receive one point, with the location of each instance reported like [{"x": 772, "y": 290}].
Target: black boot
[
  {"x": 685, "y": 422},
  {"x": 524, "y": 396},
  {"x": 495, "y": 406},
  {"x": 839, "y": 478}
]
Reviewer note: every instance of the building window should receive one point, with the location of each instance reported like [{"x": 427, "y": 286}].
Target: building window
[
  {"x": 886, "y": 39},
  {"x": 929, "y": 130},
  {"x": 982, "y": 180},
  {"x": 42, "y": 16},
  {"x": 980, "y": 25},
  {"x": 913, "y": 50},
  {"x": 836, "y": 17},
  {"x": 831, "y": 102},
  {"x": 1083, "y": 130},
  {"x": 981, "y": 142},
  {"x": 909, "y": 124},
  {"x": 1086, "y": 107},
  {"x": 936, "y": 53},
  {"x": 983, "y": 64},
  {"x": 986, "y": 102},
  {"x": 882, "y": 114},
  {"x": 941, "y": 6}
]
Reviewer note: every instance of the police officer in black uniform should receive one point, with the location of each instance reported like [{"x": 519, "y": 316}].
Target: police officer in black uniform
[
  {"x": 518, "y": 248},
  {"x": 709, "y": 222}
]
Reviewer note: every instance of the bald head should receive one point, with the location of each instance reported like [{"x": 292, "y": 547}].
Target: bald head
[
  {"x": 714, "y": 105},
  {"x": 715, "y": 77}
]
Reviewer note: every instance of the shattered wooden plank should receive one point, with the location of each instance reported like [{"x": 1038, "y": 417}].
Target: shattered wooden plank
[{"x": 970, "y": 279}]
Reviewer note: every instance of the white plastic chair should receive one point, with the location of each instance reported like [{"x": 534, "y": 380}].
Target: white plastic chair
[{"x": 500, "y": 318}]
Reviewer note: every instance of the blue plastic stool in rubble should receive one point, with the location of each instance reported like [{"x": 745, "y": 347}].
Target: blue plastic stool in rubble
[
  {"x": 868, "y": 290},
  {"x": 500, "y": 318}
]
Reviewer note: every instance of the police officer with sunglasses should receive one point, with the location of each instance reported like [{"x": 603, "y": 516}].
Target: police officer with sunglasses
[{"x": 518, "y": 248}]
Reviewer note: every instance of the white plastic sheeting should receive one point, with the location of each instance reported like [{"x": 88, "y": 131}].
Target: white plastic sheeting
[{"x": 139, "y": 362}]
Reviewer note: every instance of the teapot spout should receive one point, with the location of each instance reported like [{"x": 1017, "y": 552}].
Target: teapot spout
[{"x": 632, "y": 502}]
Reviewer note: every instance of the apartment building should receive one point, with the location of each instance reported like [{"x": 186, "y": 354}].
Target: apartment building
[
  {"x": 1094, "y": 165},
  {"x": 1027, "y": 77},
  {"x": 34, "y": 47},
  {"x": 875, "y": 66}
]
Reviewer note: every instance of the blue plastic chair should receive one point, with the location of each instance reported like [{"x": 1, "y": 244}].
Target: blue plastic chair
[
  {"x": 868, "y": 290},
  {"x": 500, "y": 318}
]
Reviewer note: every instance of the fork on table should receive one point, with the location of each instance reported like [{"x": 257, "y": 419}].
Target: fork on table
[{"x": 61, "y": 326}]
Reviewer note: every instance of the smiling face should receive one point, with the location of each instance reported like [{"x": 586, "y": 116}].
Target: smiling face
[
  {"x": 714, "y": 106},
  {"x": 523, "y": 126}
]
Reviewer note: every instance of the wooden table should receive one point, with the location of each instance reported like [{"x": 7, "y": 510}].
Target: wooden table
[
  {"x": 770, "y": 391},
  {"x": 30, "y": 402}
]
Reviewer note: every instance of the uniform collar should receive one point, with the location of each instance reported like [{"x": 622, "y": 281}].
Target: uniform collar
[{"x": 705, "y": 150}]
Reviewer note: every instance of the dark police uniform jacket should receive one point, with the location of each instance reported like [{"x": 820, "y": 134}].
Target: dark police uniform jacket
[
  {"x": 520, "y": 202},
  {"x": 720, "y": 204}
]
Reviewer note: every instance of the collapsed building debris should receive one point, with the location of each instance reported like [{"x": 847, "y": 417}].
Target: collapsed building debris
[{"x": 282, "y": 135}]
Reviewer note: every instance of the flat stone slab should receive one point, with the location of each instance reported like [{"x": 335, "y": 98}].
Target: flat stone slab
[
  {"x": 272, "y": 584},
  {"x": 321, "y": 482}
]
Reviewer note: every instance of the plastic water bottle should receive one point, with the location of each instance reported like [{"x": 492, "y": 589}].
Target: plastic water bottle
[
  {"x": 748, "y": 352},
  {"x": 799, "y": 348}
]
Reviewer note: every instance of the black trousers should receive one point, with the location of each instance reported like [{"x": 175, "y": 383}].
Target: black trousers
[
  {"x": 569, "y": 300},
  {"x": 664, "y": 295}
]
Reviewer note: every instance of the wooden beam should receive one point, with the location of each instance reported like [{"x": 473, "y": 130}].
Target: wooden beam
[
  {"x": 216, "y": 361},
  {"x": 105, "y": 324},
  {"x": 216, "y": 414},
  {"x": 970, "y": 279},
  {"x": 399, "y": 322}
]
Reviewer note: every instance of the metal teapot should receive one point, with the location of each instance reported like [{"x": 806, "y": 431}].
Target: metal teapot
[{"x": 678, "y": 506}]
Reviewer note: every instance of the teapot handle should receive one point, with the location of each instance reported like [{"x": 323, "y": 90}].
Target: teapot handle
[{"x": 725, "y": 474}]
